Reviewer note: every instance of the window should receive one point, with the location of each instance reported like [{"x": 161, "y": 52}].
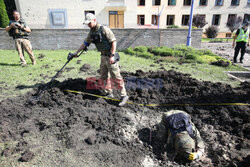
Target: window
[
  {"x": 185, "y": 19},
  {"x": 141, "y": 2},
  {"x": 203, "y": 2},
  {"x": 156, "y": 2},
  {"x": 89, "y": 11},
  {"x": 154, "y": 20},
  {"x": 218, "y": 2},
  {"x": 231, "y": 15},
  {"x": 235, "y": 2},
  {"x": 170, "y": 20},
  {"x": 248, "y": 1},
  {"x": 140, "y": 19},
  {"x": 246, "y": 18},
  {"x": 171, "y": 2},
  {"x": 216, "y": 19},
  {"x": 187, "y": 2}
]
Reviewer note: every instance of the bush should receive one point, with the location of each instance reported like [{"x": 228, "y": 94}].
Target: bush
[
  {"x": 4, "y": 19},
  {"x": 212, "y": 31},
  {"x": 199, "y": 21},
  {"x": 173, "y": 26},
  {"x": 234, "y": 23},
  {"x": 142, "y": 49},
  {"x": 162, "y": 51},
  {"x": 129, "y": 51}
]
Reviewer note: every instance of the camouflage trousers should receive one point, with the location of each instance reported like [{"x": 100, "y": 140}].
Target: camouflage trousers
[
  {"x": 25, "y": 43},
  {"x": 112, "y": 71}
]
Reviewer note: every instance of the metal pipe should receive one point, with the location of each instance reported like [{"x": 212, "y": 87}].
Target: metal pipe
[{"x": 190, "y": 24}]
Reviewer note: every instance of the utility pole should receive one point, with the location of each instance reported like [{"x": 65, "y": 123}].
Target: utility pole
[
  {"x": 159, "y": 15},
  {"x": 190, "y": 24}
]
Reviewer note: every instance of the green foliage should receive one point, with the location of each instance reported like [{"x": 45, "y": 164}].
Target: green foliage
[
  {"x": 142, "y": 49},
  {"x": 212, "y": 31},
  {"x": 173, "y": 26},
  {"x": 180, "y": 53},
  {"x": 129, "y": 51},
  {"x": 4, "y": 19}
]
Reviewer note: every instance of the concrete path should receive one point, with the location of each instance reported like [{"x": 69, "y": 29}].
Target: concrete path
[{"x": 225, "y": 50}]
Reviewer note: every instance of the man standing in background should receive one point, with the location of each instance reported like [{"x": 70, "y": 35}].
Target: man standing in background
[
  {"x": 19, "y": 31},
  {"x": 242, "y": 39}
]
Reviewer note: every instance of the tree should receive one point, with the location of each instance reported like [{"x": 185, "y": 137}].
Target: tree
[
  {"x": 4, "y": 19},
  {"x": 199, "y": 21},
  {"x": 233, "y": 23},
  {"x": 10, "y": 7},
  {"x": 212, "y": 31}
]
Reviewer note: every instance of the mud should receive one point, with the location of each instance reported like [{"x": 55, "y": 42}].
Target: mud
[
  {"x": 41, "y": 56},
  {"x": 67, "y": 129},
  {"x": 221, "y": 63}
]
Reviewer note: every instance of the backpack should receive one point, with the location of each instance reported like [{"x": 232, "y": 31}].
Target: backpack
[{"x": 179, "y": 122}]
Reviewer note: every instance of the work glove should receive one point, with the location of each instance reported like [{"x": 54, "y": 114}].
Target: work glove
[
  {"x": 195, "y": 155},
  {"x": 71, "y": 56}
]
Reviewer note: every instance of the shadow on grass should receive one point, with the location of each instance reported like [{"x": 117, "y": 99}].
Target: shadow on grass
[
  {"x": 21, "y": 87},
  {"x": 6, "y": 64}
]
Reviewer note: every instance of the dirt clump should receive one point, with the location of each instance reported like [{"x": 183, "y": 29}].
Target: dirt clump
[
  {"x": 85, "y": 67},
  {"x": 220, "y": 63},
  {"x": 41, "y": 56},
  {"x": 92, "y": 131}
]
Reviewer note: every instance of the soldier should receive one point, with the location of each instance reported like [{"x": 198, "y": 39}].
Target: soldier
[
  {"x": 183, "y": 140},
  {"x": 105, "y": 42},
  {"x": 19, "y": 30}
]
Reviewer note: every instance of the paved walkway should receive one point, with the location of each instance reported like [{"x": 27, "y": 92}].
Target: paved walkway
[{"x": 225, "y": 50}]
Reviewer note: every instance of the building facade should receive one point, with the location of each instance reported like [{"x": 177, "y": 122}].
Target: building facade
[
  {"x": 129, "y": 13},
  {"x": 164, "y": 13},
  {"x": 42, "y": 14}
]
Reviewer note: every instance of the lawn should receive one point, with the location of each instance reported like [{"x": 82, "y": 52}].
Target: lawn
[{"x": 16, "y": 80}]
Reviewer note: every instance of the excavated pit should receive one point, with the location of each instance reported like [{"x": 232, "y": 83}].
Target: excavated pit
[{"x": 68, "y": 129}]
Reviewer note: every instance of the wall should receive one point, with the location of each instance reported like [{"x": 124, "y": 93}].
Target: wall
[
  {"x": 72, "y": 38},
  {"x": 37, "y": 16},
  {"x": 179, "y": 9}
]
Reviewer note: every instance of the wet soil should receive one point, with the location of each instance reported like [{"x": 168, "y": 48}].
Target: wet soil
[{"x": 69, "y": 129}]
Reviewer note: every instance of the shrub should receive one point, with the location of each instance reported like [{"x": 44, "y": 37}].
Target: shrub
[
  {"x": 4, "y": 19},
  {"x": 212, "y": 31},
  {"x": 173, "y": 26},
  {"x": 199, "y": 21},
  {"x": 162, "y": 51},
  {"x": 129, "y": 51},
  {"x": 233, "y": 23},
  {"x": 142, "y": 49},
  {"x": 184, "y": 48}
]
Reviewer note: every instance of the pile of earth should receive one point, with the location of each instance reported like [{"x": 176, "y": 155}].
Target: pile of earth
[{"x": 70, "y": 129}]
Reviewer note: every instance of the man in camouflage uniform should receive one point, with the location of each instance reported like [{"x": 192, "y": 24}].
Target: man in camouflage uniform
[
  {"x": 181, "y": 146},
  {"x": 19, "y": 30},
  {"x": 105, "y": 42}
]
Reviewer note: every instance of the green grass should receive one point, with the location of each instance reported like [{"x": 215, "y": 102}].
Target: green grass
[
  {"x": 217, "y": 40},
  {"x": 16, "y": 80}
]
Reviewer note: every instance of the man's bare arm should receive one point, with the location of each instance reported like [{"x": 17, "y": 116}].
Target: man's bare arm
[
  {"x": 81, "y": 48},
  {"x": 9, "y": 27}
]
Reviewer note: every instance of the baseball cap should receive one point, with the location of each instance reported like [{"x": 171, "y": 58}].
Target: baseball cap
[{"x": 88, "y": 18}]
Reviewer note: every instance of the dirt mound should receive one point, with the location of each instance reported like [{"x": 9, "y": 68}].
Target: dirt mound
[
  {"x": 220, "y": 63},
  {"x": 82, "y": 130},
  {"x": 85, "y": 67},
  {"x": 41, "y": 56}
]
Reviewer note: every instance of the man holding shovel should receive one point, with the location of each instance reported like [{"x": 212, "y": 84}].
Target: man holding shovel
[{"x": 105, "y": 42}]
